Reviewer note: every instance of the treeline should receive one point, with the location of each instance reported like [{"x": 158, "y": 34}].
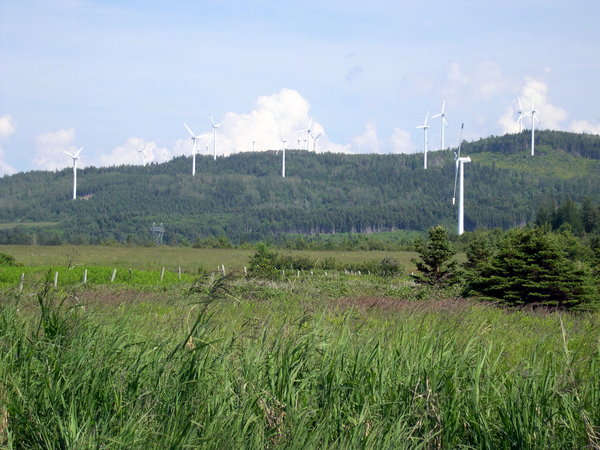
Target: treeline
[{"x": 244, "y": 198}]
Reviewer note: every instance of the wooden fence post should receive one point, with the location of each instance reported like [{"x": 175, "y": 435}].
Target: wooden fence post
[
  {"x": 162, "y": 273},
  {"x": 21, "y": 282},
  {"x": 179, "y": 273},
  {"x": 114, "y": 274},
  {"x": 55, "y": 279},
  {"x": 85, "y": 276}
]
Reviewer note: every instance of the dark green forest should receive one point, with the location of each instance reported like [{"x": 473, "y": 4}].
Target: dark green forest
[{"x": 243, "y": 198}]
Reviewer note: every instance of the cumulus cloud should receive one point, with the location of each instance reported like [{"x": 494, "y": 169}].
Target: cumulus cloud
[
  {"x": 135, "y": 151},
  {"x": 400, "y": 142},
  {"x": 583, "y": 126},
  {"x": 368, "y": 141},
  {"x": 533, "y": 93},
  {"x": 7, "y": 128},
  {"x": 50, "y": 148},
  {"x": 274, "y": 117}
]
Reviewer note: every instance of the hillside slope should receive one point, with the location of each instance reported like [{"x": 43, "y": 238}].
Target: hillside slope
[{"x": 243, "y": 196}]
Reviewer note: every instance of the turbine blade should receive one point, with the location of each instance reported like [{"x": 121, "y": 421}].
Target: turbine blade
[
  {"x": 78, "y": 152},
  {"x": 520, "y": 105},
  {"x": 437, "y": 115},
  {"x": 211, "y": 120},
  {"x": 189, "y": 130},
  {"x": 309, "y": 124},
  {"x": 443, "y": 106},
  {"x": 72, "y": 156},
  {"x": 426, "y": 118}
]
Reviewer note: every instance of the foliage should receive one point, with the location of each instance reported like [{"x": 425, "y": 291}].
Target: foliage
[
  {"x": 530, "y": 267},
  {"x": 436, "y": 266},
  {"x": 8, "y": 260},
  {"x": 241, "y": 198},
  {"x": 293, "y": 372}
]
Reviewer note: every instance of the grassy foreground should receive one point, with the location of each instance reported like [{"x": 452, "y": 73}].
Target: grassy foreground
[{"x": 338, "y": 362}]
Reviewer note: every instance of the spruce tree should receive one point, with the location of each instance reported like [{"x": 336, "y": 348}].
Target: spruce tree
[
  {"x": 436, "y": 266},
  {"x": 530, "y": 267}
]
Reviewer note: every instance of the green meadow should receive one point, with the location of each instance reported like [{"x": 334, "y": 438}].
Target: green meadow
[{"x": 329, "y": 360}]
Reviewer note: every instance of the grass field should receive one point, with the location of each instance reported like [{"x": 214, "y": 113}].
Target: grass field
[
  {"x": 11, "y": 225},
  {"x": 154, "y": 258},
  {"x": 330, "y": 362}
]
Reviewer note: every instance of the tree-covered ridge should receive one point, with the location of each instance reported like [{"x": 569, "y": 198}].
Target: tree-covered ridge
[{"x": 243, "y": 196}]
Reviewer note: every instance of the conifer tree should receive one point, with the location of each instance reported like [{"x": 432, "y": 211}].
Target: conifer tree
[
  {"x": 436, "y": 266},
  {"x": 530, "y": 267}
]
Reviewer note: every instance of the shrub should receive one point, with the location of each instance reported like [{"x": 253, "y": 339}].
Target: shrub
[
  {"x": 8, "y": 260},
  {"x": 436, "y": 266},
  {"x": 531, "y": 267}
]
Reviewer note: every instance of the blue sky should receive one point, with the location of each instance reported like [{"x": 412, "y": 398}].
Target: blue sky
[{"x": 113, "y": 76}]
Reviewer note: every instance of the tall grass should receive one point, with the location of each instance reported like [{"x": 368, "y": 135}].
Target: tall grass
[{"x": 239, "y": 373}]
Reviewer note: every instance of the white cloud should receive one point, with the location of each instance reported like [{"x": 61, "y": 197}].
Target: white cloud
[
  {"x": 135, "y": 151},
  {"x": 583, "y": 126},
  {"x": 400, "y": 142},
  {"x": 274, "y": 116},
  {"x": 368, "y": 141},
  {"x": 535, "y": 91},
  {"x": 7, "y": 128},
  {"x": 50, "y": 148}
]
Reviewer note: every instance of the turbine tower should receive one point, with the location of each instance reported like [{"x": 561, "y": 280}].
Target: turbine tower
[
  {"x": 425, "y": 127},
  {"x": 315, "y": 142},
  {"x": 307, "y": 131},
  {"x": 443, "y": 122},
  {"x": 459, "y": 174},
  {"x": 532, "y": 113},
  {"x": 521, "y": 115},
  {"x": 214, "y": 127},
  {"x": 142, "y": 153},
  {"x": 194, "y": 138},
  {"x": 75, "y": 157},
  {"x": 283, "y": 141}
]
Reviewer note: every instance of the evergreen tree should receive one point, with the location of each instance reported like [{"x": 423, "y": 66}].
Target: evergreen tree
[
  {"x": 530, "y": 267},
  {"x": 436, "y": 266}
]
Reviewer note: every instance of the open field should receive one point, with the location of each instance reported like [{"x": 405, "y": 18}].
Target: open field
[
  {"x": 11, "y": 225},
  {"x": 154, "y": 258},
  {"x": 338, "y": 361}
]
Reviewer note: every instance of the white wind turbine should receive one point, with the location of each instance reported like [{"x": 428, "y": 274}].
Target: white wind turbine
[
  {"x": 283, "y": 141},
  {"x": 315, "y": 142},
  {"x": 521, "y": 115},
  {"x": 532, "y": 113},
  {"x": 194, "y": 137},
  {"x": 214, "y": 127},
  {"x": 425, "y": 127},
  {"x": 142, "y": 153},
  {"x": 307, "y": 131},
  {"x": 459, "y": 175},
  {"x": 444, "y": 123},
  {"x": 75, "y": 157}
]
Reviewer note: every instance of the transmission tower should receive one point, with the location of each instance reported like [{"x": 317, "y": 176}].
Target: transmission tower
[{"x": 158, "y": 231}]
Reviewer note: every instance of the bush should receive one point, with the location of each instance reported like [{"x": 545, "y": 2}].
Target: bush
[
  {"x": 436, "y": 266},
  {"x": 530, "y": 266},
  {"x": 8, "y": 260}
]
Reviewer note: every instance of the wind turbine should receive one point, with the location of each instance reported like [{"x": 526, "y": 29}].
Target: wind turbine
[
  {"x": 165, "y": 155},
  {"x": 143, "y": 154},
  {"x": 75, "y": 158},
  {"x": 459, "y": 175},
  {"x": 253, "y": 142},
  {"x": 425, "y": 127},
  {"x": 444, "y": 123},
  {"x": 315, "y": 142},
  {"x": 283, "y": 141},
  {"x": 214, "y": 127},
  {"x": 532, "y": 113},
  {"x": 307, "y": 131},
  {"x": 521, "y": 115},
  {"x": 194, "y": 137}
]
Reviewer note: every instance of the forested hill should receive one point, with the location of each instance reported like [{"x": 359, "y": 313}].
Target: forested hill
[{"x": 244, "y": 197}]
